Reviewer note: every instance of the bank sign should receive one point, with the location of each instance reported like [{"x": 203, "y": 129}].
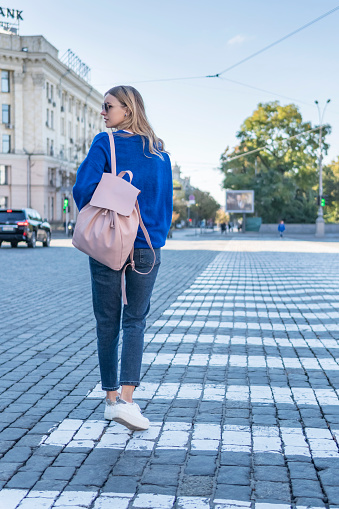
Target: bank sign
[{"x": 5, "y": 12}]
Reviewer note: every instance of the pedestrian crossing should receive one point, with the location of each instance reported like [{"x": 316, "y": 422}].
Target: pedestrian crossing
[
  {"x": 282, "y": 325},
  {"x": 211, "y": 436}
]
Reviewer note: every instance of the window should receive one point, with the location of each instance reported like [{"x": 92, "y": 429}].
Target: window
[
  {"x": 5, "y": 81},
  {"x": 48, "y": 146},
  {"x": 52, "y": 177},
  {"x": 6, "y": 143},
  {"x": 70, "y": 129},
  {"x": 70, "y": 105},
  {"x": 6, "y": 114},
  {"x": 47, "y": 117},
  {"x": 52, "y": 207},
  {"x": 12, "y": 216},
  {"x": 62, "y": 126},
  {"x": 52, "y": 148},
  {"x": 3, "y": 202},
  {"x": 47, "y": 90},
  {"x": 3, "y": 175},
  {"x": 52, "y": 92},
  {"x": 64, "y": 178},
  {"x": 52, "y": 119},
  {"x": 63, "y": 101},
  {"x": 62, "y": 151}
]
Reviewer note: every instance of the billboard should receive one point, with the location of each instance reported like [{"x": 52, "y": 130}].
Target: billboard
[{"x": 240, "y": 202}]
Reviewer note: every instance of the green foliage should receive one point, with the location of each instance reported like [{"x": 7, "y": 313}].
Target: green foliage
[
  {"x": 180, "y": 207},
  {"x": 283, "y": 175},
  {"x": 179, "y": 202},
  {"x": 205, "y": 206},
  {"x": 222, "y": 217},
  {"x": 331, "y": 191}
]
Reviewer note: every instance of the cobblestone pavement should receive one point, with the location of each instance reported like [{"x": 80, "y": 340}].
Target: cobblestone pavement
[{"x": 240, "y": 381}]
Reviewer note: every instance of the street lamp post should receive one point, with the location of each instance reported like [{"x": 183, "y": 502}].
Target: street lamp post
[{"x": 320, "y": 223}]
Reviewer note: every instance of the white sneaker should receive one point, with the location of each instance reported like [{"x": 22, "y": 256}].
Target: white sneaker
[
  {"x": 108, "y": 414},
  {"x": 129, "y": 414}
]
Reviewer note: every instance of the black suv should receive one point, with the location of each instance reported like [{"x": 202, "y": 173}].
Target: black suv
[{"x": 24, "y": 225}]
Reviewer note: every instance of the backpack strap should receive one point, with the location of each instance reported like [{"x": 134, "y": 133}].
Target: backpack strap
[
  {"x": 131, "y": 262},
  {"x": 113, "y": 159}
]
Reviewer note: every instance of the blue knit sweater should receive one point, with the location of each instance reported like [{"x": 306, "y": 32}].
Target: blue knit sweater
[{"x": 151, "y": 174}]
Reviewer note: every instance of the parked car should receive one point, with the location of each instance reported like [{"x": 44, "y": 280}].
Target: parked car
[{"x": 24, "y": 225}]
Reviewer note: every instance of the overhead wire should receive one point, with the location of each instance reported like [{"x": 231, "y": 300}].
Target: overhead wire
[
  {"x": 262, "y": 50},
  {"x": 277, "y": 41},
  {"x": 244, "y": 154},
  {"x": 266, "y": 91}
]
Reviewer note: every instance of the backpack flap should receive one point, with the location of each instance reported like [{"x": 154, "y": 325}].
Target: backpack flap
[{"x": 115, "y": 193}]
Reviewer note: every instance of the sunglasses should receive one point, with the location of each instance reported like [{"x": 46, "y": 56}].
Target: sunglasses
[{"x": 106, "y": 107}]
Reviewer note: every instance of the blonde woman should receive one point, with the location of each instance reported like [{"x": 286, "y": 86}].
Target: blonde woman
[{"x": 139, "y": 150}]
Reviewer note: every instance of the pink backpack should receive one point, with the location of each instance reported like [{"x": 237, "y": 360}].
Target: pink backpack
[{"x": 107, "y": 226}]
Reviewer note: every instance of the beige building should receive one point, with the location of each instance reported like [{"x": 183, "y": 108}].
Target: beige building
[{"x": 50, "y": 115}]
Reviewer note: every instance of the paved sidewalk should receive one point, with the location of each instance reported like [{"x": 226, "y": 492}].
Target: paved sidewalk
[{"x": 240, "y": 381}]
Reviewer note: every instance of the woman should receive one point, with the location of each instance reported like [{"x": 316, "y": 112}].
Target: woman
[{"x": 139, "y": 150}]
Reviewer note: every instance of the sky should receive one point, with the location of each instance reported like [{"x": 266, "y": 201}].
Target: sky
[{"x": 131, "y": 42}]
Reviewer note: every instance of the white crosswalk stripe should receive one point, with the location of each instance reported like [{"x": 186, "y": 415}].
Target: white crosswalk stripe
[
  {"x": 264, "y": 326},
  {"x": 200, "y": 437},
  {"x": 218, "y": 392},
  {"x": 252, "y": 361},
  {"x": 33, "y": 499},
  {"x": 226, "y": 340}
]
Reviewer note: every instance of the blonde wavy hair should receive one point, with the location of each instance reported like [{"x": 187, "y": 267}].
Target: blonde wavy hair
[{"x": 137, "y": 121}]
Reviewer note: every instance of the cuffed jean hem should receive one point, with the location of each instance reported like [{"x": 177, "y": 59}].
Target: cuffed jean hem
[
  {"x": 136, "y": 384},
  {"x": 109, "y": 389}
]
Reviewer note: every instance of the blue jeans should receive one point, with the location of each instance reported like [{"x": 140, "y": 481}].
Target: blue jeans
[{"x": 107, "y": 305}]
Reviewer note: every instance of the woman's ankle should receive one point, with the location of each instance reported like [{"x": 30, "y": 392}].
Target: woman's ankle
[
  {"x": 112, "y": 395},
  {"x": 127, "y": 393}
]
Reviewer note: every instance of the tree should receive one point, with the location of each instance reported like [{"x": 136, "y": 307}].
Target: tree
[
  {"x": 283, "y": 175},
  {"x": 222, "y": 216},
  {"x": 175, "y": 217},
  {"x": 179, "y": 202},
  {"x": 205, "y": 206},
  {"x": 331, "y": 191}
]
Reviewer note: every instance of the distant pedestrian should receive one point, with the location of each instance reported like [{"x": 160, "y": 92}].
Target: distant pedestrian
[
  {"x": 223, "y": 228},
  {"x": 281, "y": 228},
  {"x": 70, "y": 228},
  {"x": 137, "y": 149}
]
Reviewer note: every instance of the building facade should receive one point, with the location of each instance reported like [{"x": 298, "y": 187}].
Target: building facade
[
  {"x": 185, "y": 182},
  {"x": 50, "y": 116}
]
